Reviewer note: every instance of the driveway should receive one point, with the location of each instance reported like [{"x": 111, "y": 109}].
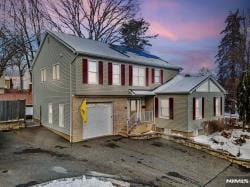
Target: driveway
[{"x": 35, "y": 155}]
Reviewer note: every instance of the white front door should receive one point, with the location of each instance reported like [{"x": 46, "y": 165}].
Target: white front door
[
  {"x": 99, "y": 120},
  {"x": 135, "y": 108}
]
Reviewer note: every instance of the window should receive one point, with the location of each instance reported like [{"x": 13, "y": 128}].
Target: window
[
  {"x": 92, "y": 72},
  {"x": 61, "y": 115},
  {"x": 217, "y": 106},
  {"x": 50, "y": 113},
  {"x": 43, "y": 75},
  {"x": 198, "y": 108},
  {"x": 157, "y": 76},
  {"x": 164, "y": 108},
  {"x": 116, "y": 74},
  {"x": 56, "y": 72},
  {"x": 138, "y": 76}
]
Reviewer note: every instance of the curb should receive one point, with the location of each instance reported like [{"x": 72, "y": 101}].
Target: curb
[{"x": 205, "y": 148}]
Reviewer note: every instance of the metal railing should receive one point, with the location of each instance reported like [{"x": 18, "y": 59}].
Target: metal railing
[{"x": 134, "y": 120}]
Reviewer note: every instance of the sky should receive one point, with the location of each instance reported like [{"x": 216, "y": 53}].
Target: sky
[{"x": 189, "y": 30}]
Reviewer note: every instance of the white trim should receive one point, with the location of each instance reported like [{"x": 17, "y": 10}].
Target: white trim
[
  {"x": 50, "y": 113},
  {"x": 160, "y": 100},
  {"x": 61, "y": 115},
  {"x": 138, "y": 83},
  {"x": 97, "y": 71},
  {"x": 155, "y": 82},
  {"x": 198, "y": 108},
  {"x": 119, "y": 65}
]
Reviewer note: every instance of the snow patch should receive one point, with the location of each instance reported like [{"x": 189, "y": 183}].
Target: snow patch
[
  {"x": 76, "y": 182},
  {"x": 59, "y": 169},
  {"x": 218, "y": 142}
]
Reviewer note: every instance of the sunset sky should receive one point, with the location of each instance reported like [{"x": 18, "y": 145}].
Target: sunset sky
[{"x": 189, "y": 30}]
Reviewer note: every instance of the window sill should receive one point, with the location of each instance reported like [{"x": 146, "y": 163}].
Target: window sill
[{"x": 161, "y": 117}]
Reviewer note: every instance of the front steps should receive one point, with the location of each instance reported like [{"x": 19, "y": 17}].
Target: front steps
[{"x": 141, "y": 131}]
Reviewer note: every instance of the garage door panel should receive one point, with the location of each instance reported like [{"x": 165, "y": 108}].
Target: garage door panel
[{"x": 99, "y": 121}]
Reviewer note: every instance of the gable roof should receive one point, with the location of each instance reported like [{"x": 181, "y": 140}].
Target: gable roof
[
  {"x": 94, "y": 48},
  {"x": 185, "y": 84}
]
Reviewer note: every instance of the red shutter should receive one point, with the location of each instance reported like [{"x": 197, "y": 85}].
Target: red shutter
[
  {"x": 123, "y": 74},
  {"x": 171, "y": 108},
  {"x": 221, "y": 106},
  {"x": 85, "y": 71},
  {"x": 100, "y": 70},
  {"x": 203, "y": 107},
  {"x": 156, "y": 107},
  {"x": 146, "y": 76},
  {"x": 130, "y": 75},
  {"x": 110, "y": 73},
  {"x": 153, "y": 76},
  {"x": 214, "y": 102},
  {"x": 194, "y": 108},
  {"x": 161, "y": 76}
]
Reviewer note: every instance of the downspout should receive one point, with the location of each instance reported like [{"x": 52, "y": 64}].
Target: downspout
[{"x": 70, "y": 92}]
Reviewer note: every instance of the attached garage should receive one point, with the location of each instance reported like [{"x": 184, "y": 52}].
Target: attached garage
[{"x": 99, "y": 120}]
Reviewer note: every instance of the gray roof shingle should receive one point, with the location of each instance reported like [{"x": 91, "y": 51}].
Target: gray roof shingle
[{"x": 95, "y": 48}]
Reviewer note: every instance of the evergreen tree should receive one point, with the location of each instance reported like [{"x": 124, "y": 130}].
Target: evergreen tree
[
  {"x": 243, "y": 99},
  {"x": 231, "y": 55},
  {"x": 134, "y": 34}
]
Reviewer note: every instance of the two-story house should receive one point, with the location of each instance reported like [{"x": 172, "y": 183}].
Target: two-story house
[{"x": 122, "y": 87}]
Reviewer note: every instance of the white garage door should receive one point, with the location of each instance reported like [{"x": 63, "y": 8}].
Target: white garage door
[{"x": 99, "y": 121}]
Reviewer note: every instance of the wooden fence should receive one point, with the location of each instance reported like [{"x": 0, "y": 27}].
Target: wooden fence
[{"x": 12, "y": 110}]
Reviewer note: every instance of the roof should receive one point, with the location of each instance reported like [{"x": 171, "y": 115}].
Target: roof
[
  {"x": 184, "y": 84},
  {"x": 95, "y": 48},
  {"x": 142, "y": 92}
]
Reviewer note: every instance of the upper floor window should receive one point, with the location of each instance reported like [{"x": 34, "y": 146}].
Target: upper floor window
[
  {"x": 198, "y": 108},
  {"x": 116, "y": 74},
  {"x": 92, "y": 72},
  {"x": 138, "y": 76},
  {"x": 43, "y": 75},
  {"x": 56, "y": 72},
  {"x": 157, "y": 76}
]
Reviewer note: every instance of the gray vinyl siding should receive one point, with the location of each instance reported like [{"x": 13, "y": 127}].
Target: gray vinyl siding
[
  {"x": 208, "y": 110},
  {"x": 105, "y": 89},
  {"x": 52, "y": 91},
  {"x": 180, "y": 121}
]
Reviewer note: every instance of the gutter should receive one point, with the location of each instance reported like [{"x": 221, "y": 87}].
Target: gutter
[{"x": 70, "y": 93}]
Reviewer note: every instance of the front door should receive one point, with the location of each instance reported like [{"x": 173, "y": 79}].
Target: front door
[{"x": 135, "y": 108}]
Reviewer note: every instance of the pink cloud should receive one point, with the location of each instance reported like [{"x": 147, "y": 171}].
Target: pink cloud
[{"x": 186, "y": 30}]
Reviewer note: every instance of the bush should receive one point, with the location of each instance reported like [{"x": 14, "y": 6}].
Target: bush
[{"x": 213, "y": 126}]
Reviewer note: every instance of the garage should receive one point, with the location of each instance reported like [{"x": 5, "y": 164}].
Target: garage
[{"x": 99, "y": 120}]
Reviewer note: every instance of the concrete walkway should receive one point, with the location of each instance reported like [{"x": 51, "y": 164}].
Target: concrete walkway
[{"x": 34, "y": 155}]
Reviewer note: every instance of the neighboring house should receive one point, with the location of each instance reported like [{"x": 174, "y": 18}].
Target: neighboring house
[
  {"x": 122, "y": 87},
  {"x": 2, "y": 85},
  {"x": 16, "y": 84}
]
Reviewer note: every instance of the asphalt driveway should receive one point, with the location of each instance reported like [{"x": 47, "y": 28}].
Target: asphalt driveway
[{"x": 36, "y": 155}]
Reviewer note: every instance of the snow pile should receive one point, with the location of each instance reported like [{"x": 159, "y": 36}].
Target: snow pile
[
  {"x": 76, "y": 182},
  {"x": 235, "y": 142}
]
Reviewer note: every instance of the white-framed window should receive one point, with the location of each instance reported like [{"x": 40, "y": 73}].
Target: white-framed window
[
  {"x": 50, "y": 113},
  {"x": 116, "y": 74},
  {"x": 43, "y": 75},
  {"x": 164, "y": 108},
  {"x": 157, "y": 76},
  {"x": 217, "y": 106},
  {"x": 56, "y": 72},
  {"x": 61, "y": 115},
  {"x": 139, "y": 76},
  {"x": 92, "y": 72},
  {"x": 198, "y": 108}
]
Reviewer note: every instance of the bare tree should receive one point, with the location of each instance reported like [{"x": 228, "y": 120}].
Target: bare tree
[{"x": 94, "y": 19}]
